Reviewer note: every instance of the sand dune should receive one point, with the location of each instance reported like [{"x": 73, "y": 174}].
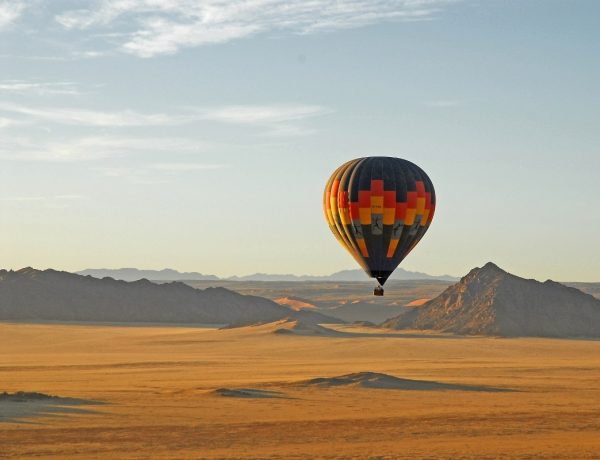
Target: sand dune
[
  {"x": 389, "y": 382},
  {"x": 291, "y": 326},
  {"x": 365, "y": 380},
  {"x": 296, "y": 303},
  {"x": 302, "y": 328}
]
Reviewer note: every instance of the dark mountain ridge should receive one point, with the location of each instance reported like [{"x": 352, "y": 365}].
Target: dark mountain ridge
[
  {"x": 34, "y": 295},
  {"x": 491, "y": 301}
]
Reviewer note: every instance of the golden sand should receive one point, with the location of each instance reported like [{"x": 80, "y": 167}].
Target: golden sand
[{"x": 158, "y": 388}]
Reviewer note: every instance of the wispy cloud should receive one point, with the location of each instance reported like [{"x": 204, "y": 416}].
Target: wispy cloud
[
  {"x": 63, "y": 88},
  {"x": 10, "y": 10},
  {"x": 51, "y": 58},
  {"x": 257, "y": 114},
  {"x": 86, "y": 117},
  {"x": 135, "y": 175},
  {"x": 275, "y": 120},
  {"x": 283, "y": 120},
  {"x": 6, "y": 122},
  {"x": 92, "y": 148},
  {"x": 156, "y": 173},
  {"x": 27, "y": 198},
  {"x": 185, "y": 167},
  {"x": 154, "y": 27},
  {"x": 37, "y": 202}
]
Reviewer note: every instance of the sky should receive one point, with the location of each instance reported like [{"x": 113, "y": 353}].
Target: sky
[{"x": 198, "y": 135}]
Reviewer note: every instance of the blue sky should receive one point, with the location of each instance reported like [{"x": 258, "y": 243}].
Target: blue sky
[{"x": 198, "y": 135}]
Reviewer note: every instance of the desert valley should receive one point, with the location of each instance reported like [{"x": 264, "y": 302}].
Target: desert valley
[{"x": 460, "y": 372}]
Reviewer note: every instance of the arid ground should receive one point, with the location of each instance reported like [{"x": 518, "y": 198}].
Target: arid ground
[{"x": 169, "y": 392}]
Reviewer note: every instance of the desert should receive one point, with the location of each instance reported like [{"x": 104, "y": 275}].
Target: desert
[
  {"x": 154, "y": 391},
  {"x": 308, "y": 229}
]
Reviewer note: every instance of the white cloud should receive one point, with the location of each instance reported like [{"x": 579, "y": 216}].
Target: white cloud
[
  {"x": 156, "y": 27},
  {"x": 63, "y": 88},
  {"x": 288, "y": 130},
  {"x": 10, "y": 10},
  {"x": 155, "y": 173},
  {"x": 275, "y": 120},
  {"x": 161, "y": 36},
  {"x": 43, "y": 198},
  {"x": 257, "y": 114},
  {"x": 90, "y": 54},
  {"x": 6, "y": 122},
  {"x": 185, "y": 167},
  {"x": 141, "y": 176},
  {"x": 92, "y": 148},
  {"x": 85, "y": 117},
  {"x": 281, "y": 120},
  {"x": 54, "y": 202}
]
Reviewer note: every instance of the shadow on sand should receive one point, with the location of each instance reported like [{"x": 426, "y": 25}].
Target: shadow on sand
[
  {"x": 14, "y": 407},
  {"x": 300, "y": 328},
  {"x": 250, "y": 393}
]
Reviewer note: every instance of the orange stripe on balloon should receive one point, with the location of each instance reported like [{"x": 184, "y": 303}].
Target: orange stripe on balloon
[{"x": 363, "y": 247}]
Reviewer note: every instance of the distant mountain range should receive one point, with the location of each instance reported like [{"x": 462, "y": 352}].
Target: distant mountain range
[
  {"x": 490, "y": 301},
  {"x": 134, "y": 274},
  {"x": 49, "y": 295}
]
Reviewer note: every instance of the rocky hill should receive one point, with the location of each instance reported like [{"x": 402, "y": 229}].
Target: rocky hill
[
  {"x": 490, "y": 301},
  {"x": 49, "y": 295}
]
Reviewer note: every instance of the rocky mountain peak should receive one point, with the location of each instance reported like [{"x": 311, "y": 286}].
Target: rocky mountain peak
[
  {"x": 491, "y": 301},
  {"x": 27, "y": 271},
  {"x": 489, "y": 271}
]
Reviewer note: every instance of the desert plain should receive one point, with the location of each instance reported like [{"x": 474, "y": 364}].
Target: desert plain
[{"x": 182, "y": 392}]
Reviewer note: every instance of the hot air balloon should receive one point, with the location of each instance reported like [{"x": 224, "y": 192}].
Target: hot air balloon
[{"x": 379, "y": 208}]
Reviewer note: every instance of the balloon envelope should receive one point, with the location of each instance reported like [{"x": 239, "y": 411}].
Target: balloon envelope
[{"x": 379, "y": 208}]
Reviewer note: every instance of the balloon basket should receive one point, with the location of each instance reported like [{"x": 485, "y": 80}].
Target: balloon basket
[{"x": 378, "y": 291}]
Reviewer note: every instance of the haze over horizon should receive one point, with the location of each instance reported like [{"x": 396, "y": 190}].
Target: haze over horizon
[{"x": 134, "y": 134}]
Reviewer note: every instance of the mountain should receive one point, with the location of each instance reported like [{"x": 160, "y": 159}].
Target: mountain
[
  {"x": 49, "y": 295},
  {"x": 588, "y": 288},
  {"x": 134, "y": 274},
  {"x": 490, "y": 301},
  {"x": 399, "y": 274},
  {"x": 344, "y": 275}
]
